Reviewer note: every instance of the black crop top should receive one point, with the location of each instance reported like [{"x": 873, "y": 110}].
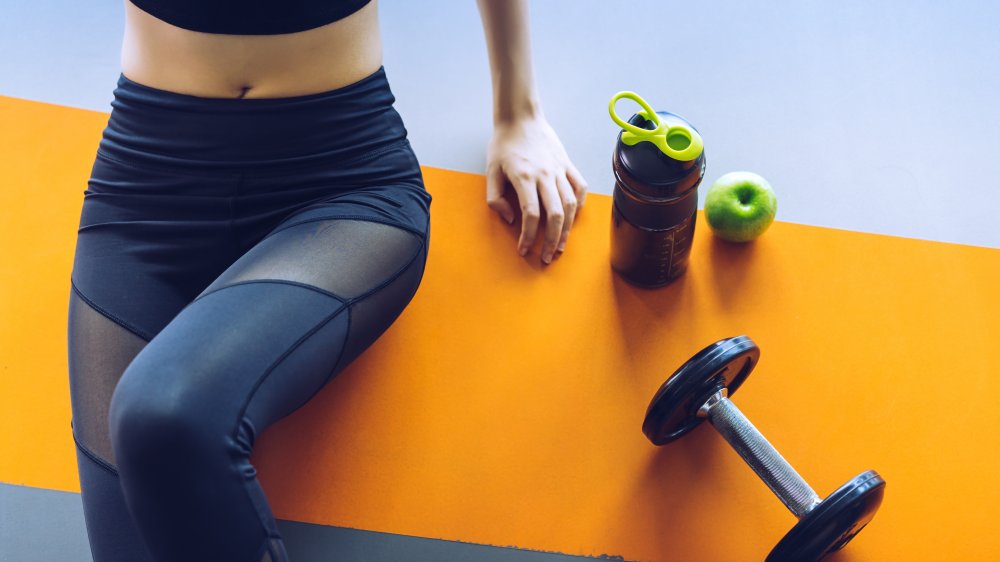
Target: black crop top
[{"x": 249, "y": 17}]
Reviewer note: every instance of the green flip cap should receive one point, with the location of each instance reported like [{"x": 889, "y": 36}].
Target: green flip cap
[{"x": 673, "y": 138}]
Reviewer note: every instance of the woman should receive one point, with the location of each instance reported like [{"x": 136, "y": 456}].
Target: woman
[{"x": 254, "y": 220}]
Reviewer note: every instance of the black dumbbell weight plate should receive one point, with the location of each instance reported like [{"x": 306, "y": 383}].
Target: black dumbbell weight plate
[
  {"x": 674, "y": 408},
  {"x": 834, "y": 522}
]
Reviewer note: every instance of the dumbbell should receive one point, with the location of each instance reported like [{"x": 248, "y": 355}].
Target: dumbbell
[{"x": 699, "y": 390}]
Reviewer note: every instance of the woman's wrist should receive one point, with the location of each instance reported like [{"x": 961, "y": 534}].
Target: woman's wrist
[{"x": 509, "y": 110}]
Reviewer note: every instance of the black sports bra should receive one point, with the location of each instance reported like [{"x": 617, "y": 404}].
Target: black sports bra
[{"x": 249, "y": 17}]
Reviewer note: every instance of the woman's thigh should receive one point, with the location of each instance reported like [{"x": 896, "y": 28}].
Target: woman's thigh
[{"x": 252, "y": 348}]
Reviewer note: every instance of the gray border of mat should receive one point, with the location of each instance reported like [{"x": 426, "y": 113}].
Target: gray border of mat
[{"x": 41, "y": 524}]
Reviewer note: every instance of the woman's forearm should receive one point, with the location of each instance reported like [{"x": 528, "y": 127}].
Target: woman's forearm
[{"x": 505, "y": 23}]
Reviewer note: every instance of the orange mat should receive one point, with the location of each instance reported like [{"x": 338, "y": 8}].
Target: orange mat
[{"x": 504, "y": 406}]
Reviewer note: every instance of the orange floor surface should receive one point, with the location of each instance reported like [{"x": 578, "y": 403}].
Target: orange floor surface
[{"x": 504, "y": 406}]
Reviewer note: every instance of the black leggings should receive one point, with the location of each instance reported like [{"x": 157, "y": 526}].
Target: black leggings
[{"x": 233, "y": 256}]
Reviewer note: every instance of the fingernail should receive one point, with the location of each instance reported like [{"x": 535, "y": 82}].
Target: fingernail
[
  {"x": 562, "y": 246},
  {"x": 510, "y": 220},
  {"x": 547, "y": 258},
  {"x": 523, "y": 251}
]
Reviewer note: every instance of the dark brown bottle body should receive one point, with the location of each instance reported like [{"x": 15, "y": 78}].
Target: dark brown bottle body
[{"x": 655, "y": 201}]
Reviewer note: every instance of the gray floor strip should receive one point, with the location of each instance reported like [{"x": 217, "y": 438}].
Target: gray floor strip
[
  {"x": 47, "y": 525},
  {"x": 38, "y": 524}
]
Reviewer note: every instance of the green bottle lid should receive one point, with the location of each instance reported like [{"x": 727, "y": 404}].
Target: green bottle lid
[{"x": 673, "y": 138}]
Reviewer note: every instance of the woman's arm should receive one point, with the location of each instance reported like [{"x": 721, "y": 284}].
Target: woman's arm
[{"x": 525, "y": 151}]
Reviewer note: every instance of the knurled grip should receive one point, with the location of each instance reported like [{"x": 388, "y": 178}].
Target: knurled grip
[{"x": 763, "y": 458}]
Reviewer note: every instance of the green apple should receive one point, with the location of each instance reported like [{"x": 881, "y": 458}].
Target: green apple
[{"x": 740, "y": 206}]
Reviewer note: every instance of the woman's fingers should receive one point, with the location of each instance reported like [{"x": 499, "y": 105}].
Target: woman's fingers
[
  {"x": 494, "y": 194},
  {"x": 554, "y": 214},
  {"x": 579, "y": 184},
  {"x": 570, "y": 206},
  {"x": 554, "y": 193},
  {"x": 527, "y": 195}
]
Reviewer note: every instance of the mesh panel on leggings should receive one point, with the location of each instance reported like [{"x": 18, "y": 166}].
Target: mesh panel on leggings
[
  {"x": 377, "y": 264},
  {"x": 99, "y": 350},
  {"x": 345, "y": 257},
  {"x": 370, "y": 316}
]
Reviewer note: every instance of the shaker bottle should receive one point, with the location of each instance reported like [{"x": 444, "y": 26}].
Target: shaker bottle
[{"x": 658, "y": 162}]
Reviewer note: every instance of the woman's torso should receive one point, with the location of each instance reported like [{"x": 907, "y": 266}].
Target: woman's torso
[{"x": 164, "y": 56}]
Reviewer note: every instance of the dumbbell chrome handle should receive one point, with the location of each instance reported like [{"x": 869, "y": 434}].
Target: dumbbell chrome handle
[{"x": 763, "y": 458}]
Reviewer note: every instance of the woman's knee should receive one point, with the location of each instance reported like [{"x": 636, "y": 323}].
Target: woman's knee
[{"x": 151, "y": 422}]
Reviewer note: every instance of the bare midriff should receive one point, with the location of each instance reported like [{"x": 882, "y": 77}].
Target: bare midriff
[{"x": 167, "y": 57}]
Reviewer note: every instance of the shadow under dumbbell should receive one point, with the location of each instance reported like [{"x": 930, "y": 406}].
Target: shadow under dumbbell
[
  {"x": 679, "y": 479},
  {"x": 842, "y": 556}
]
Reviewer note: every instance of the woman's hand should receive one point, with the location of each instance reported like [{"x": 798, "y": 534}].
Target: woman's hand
[{"x": 527, "y": 153}]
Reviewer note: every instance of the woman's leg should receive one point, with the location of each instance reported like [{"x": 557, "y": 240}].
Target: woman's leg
[
  {"x": 219, "y": 327},
  {"x": 140, "y": 257},
  {"x": 254, "y": 346}
]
